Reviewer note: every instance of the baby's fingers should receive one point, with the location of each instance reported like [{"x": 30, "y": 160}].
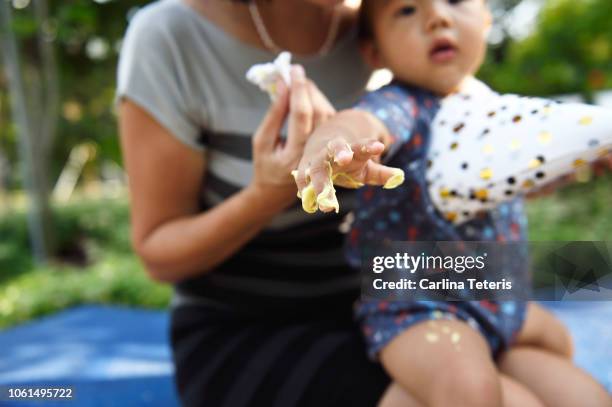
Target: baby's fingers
[
  {"x": 339, "y": 151},
  {"x": 378, "y": 174},
  {"x": 301, "y": 179},
  {"x": 323, "y": 187},
  {"x": 602, "y": 164},
  {"x": 367, "y": 150},
  {"x": 305, "y": 190}
]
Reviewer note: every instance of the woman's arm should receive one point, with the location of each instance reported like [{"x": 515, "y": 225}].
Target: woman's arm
[
  {"x": 173, "y": 240},
  {"x": 165, "y": 178}
]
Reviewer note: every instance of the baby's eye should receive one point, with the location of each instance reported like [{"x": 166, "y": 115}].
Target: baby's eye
[
  {"x": 456, "y": 1},
  {"x": 405, "y": 11}
]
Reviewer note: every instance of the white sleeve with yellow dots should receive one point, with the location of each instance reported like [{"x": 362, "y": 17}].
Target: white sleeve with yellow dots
[{"x": 488, "y": 148}]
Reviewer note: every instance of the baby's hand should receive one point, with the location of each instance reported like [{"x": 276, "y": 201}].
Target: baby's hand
[
  {"x": 603, "y": 164},
  {"x": 582, "y": 174},
  {"x": 339, "y": 163},
  {"x": 337, "y": 152}
]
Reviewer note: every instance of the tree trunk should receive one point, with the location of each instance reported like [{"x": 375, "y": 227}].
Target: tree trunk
[{"x": 32, "y": 155}]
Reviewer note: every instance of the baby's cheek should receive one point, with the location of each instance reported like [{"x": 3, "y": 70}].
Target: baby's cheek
[{"x": 474, "y": 58}]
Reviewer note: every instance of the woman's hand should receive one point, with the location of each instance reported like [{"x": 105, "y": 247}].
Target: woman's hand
[
  {"x": 275, "y": 158},
  {"x": 344, "y": 151}
]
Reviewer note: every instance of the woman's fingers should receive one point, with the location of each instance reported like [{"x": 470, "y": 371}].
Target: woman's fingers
[
  {"x": 319, "y": 99},
  {"x": 322, "y": 108},
  {"x": 267, "y": 134},
  {"x": 301, "y": 112}
]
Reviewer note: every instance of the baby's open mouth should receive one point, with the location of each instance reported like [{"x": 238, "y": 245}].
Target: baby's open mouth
[{"x": 443, "y": 50}]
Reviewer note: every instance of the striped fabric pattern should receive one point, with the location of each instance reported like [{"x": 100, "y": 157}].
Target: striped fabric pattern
[{"x": 272, "y": 362}]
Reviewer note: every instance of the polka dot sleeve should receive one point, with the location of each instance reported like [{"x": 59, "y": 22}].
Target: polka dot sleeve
[{"x": 489, "y": 148}]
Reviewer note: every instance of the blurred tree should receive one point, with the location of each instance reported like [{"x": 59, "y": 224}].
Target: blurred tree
[
  {"x": 569, "y": 52},
  {"x": 35, "y": 117},
  {"x": 86, "y": 36},
  {"x": 570, "y": 44},
  {"x": 502, "y": 14}
]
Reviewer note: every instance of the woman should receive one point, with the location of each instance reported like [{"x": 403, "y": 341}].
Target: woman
[{"x": 262, "y": 308}]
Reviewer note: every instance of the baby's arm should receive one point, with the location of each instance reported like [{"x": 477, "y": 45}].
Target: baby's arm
[{"x": 488, "y": 149}]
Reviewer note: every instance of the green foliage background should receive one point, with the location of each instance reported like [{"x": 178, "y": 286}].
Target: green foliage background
[
  {"x": 569, "y": 52},
  {"x": 85, "y": 82}
]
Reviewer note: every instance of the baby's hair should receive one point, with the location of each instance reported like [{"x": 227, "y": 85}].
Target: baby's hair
[{"x": 366, "y": 26}]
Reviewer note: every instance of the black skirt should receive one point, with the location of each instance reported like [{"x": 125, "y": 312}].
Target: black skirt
[{"x": 225, "y": 358}]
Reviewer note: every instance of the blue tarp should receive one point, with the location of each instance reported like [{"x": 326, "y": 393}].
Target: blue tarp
[
  {"x": 112, "y": 356},
  {"x": 591, "y": 326},
  {"x": 115, "y": 356}
]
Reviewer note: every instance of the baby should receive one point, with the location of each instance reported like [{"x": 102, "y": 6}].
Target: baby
[
  {"x": 458, "y": 183},
  {"x": 469, "y": 353}
]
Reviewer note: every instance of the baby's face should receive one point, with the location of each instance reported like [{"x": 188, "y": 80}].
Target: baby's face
[{"x": 433, "y": 44}]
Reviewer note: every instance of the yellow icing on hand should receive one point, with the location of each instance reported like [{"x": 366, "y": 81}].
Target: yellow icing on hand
[
  {"x": 327, "y": 198},
  {"x": 294, "y": 173},
  {"x": 395, "y": 180},
  {"x": 309, "y": 199},
  {"x": 344, "y": 180}
]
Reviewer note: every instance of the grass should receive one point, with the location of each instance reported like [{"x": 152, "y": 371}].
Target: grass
[
  {"x": 113, "y": 275},
  {"x": 577, "y": 212}
]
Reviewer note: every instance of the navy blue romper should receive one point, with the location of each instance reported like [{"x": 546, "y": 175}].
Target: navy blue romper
[{"x": 407, "y": 214}]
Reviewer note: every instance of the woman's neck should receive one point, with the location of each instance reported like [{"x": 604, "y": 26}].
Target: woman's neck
[{"x": 297, "y": 26}]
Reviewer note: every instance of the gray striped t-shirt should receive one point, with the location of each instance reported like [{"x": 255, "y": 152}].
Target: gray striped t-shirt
[{"x": 190, "y": 76}]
